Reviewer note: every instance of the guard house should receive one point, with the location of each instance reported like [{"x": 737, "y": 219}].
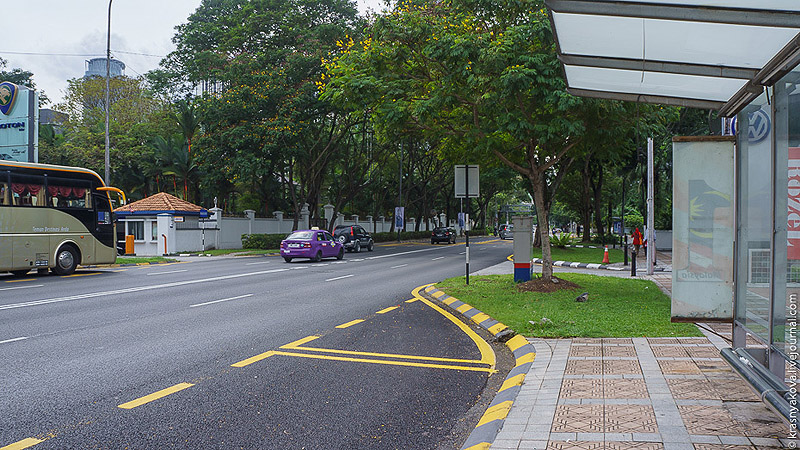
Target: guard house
[
  {"x": 736, "y": 260},
  {"x": 154, "y": 223}
]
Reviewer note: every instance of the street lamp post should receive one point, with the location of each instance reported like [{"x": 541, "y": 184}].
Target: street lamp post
[{"x": 108, "y": 77}]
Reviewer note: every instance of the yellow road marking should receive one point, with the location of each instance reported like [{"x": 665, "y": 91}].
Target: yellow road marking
[
  {"x": 511, "y": 382},
  {"x": 390, "y": 363},
  {"x": 510, "y": 257},
  {"x": 480, "y": 317},
  {"x": 411, "y": 300},
  {"x": 516, "y": 342},
  {"x": 385, "y": 310},
  {"x": 526, "y": 359},
  {"x": 300, "y": 341},
  {"x": 19, "y": 281},
  {"x": 251, "y": 360},
  {"x": 487, "y": 354},
  {"x": 80, "y": 275},
  {"x": 350, "y": 324},
  {"x": 481, "y": 446},
  {"x": 498, "y": 411},
  {"x": 494, "y": 329},
  {"x": 25, "y": 443},
  {"x": 385, "y": 355},
  {"x": 155, "y": 396},
  {"x": 463, "y": 308}
]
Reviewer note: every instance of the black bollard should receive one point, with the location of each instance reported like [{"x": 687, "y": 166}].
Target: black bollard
[
  {"x": 626, "y": 253},
  {"x": 633, "y": 263}
]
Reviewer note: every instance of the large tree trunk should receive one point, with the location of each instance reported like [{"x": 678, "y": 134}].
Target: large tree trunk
[
  {"x": 586, "y": 201},
  {"x": 597, "y": 190},
  {"x": 543, "y": 230}
]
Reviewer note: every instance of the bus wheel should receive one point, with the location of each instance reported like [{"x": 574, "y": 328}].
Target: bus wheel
[
  {"x": 66, "y": 260},
  {"x": 20, "y": 273}
]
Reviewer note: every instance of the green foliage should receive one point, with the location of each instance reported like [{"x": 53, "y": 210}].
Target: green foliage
[
  {"x": 561, "y": 240},
  {"x": 617, "y": 307},
  {"x": 262, "y": 241},
  {"x": 634, "y": 220}
]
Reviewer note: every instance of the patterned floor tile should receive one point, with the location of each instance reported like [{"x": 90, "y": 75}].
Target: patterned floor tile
[
  {"x": 585, "y": 350},
  {"x": 618, "y": 341},
  {"x": 619, "y": 351},
  {"x": 586, "y": 341},
  {"x": 732, "y": 389},
  {"x": 581, "y": 388},
  {"x": 634, "y": 446},
  {"x": 702, "y": 352},
  {"x": 679, "y": 367},
  {"x": 663, "y": 341},
  {"x": 621, "y": 388},
  {"x": 714, "y": 367},
  {"x": 630, "y": 419},
  {"x": 694, "y": 340},
  {"x": 709, "y": 420},
  {"x": 578, "y": 419},
  {"x": 583, "y": 367},
  {"x": 575, "y": 445},
  {"x": 621, "y": 367},
  {"x": 692, "y": 389},
  {"x": 671, "y": 351}
]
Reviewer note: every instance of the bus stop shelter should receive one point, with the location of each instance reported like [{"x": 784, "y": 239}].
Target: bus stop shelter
[{"x": 739, "y": 57}]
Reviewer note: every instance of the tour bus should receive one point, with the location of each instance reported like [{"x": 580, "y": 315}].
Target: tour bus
[{"x": 54, "y": 217}]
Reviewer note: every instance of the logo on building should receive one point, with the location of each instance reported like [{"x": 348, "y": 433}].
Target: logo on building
[{"x": 8, "y": 93}]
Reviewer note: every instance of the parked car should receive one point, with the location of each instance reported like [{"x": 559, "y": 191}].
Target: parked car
[
  {"x": 443, "y": 234},
  {"x": 506, "y": 231},
  {"x": 353, "y": 238},
  {"x": 312, "y": 244}
]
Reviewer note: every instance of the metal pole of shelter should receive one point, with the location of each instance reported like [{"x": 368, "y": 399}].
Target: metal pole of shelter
[
  {"x": 466, "y": 219},
  {"x": 400, "y": 192},
  {"x": 108, "y": 76}
]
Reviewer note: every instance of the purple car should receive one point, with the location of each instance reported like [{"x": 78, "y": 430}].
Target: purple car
[{"x": 313, "y": 244}]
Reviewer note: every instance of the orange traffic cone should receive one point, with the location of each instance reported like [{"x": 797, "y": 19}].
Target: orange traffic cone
[{"x": 605, "y": 256}]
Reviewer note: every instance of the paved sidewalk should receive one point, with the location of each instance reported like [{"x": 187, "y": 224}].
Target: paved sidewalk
[{"x": 636, "y": 394}]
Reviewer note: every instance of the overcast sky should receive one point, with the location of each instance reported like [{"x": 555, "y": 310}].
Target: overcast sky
[{"x": 42, "y": 35}]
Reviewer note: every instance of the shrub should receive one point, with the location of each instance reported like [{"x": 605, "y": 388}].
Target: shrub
[
  {"x": 262, "y": 241},
  {"x": 561, "y": 240}
]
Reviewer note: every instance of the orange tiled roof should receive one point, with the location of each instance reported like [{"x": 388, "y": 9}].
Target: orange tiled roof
[{"x": 160, "y": 202}]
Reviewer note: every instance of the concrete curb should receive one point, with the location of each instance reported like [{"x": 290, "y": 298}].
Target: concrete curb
[
  {"x": 581, "y": 265},
  {"x": 492, "y": 420},
  {"x": 126, "y": 265}
]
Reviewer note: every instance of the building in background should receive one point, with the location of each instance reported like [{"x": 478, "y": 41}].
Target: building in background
[{"x": 96, "y": 67}]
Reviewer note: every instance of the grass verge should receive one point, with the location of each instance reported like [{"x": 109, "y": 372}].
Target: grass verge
[
  {"x": 143, "y": 259},
  {"x": 617, "y": 307},
  {"x": 584, "y": 255}
]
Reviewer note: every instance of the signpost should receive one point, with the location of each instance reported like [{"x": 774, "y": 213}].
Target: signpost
[
  {"x": 19, "y": 123},
  {"x": 467, "y": 185}
]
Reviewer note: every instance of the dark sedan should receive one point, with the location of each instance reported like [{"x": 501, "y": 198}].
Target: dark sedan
[{"x": 443, "y": 234}]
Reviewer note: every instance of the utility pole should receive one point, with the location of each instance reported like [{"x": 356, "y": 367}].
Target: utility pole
[
  {"x": 466, "y": 218},
  {"x": 108, "y": 76},
  {"x": 400, "y": 191},
  {"x": 651, "y": 247}
]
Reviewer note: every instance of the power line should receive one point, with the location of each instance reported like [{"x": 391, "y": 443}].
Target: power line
[
  {"x": 82, "y": 55},
  {"x": 139, "y": 54}
]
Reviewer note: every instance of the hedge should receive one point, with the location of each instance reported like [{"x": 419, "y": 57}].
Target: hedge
[{"x": 262, "y": 241}]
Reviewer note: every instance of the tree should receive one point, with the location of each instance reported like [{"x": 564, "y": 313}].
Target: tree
[
  {"x": 479, "y": 75},
  {"x": 257, "y": 63}
]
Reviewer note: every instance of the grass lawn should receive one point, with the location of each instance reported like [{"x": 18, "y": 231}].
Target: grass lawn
[
  {"x": 585, "y": 255},
  {"x": 617, "y": 307},
  {"x": 142, "y": 259}
]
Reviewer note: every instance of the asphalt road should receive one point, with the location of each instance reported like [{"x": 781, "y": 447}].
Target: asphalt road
[{"x": 245, "y": 353}]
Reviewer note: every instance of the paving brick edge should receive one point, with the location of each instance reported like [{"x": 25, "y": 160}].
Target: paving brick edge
[{"x": 492, "y": 420}]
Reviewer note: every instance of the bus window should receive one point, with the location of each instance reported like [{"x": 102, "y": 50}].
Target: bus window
[
  {"x": 63, "y": 193},
  {"x": 27, "y": 190},
  {"x": 4, "y": 200}
]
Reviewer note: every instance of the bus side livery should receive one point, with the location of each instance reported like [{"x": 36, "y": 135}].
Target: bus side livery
[{"x": 54, "y": 217}]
